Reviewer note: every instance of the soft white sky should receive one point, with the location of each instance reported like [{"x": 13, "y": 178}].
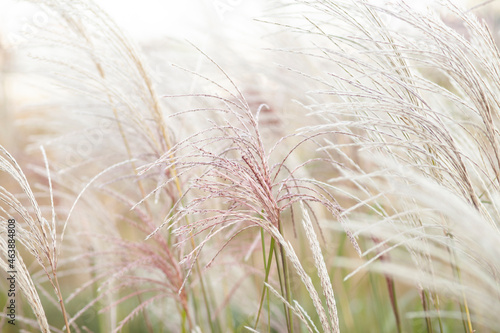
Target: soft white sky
[
  {"x": 180, "y": 18},
  {"x": 152, "y": 19},
  {"x": 149, "y": 19}
]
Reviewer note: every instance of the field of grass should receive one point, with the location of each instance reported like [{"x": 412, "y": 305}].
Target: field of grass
[{"x": 334, "y": 168}]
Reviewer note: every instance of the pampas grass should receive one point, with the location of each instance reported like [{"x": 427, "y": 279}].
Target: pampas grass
[{"x": 353, "y": 186}]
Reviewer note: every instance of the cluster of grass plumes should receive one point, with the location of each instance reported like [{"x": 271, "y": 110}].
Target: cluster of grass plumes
[
  {"x": 37, "y": 235},
  {"x": 443, "y": 134},
  {"x": 214, "y": 210},
  {"x": 238, "y": 185}
]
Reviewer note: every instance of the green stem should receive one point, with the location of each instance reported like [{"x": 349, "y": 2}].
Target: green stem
[
  {"x": 456, "y": 271},
  {"x": 286, "y": 281},
  {"x": 394, "y": 301},
  {"x": 425, "y": 301},
  {"x": 205, "y": 297},
  {"x": 288, "y": 292},
  {"x": 267, "y": 265},
  {"x": 281, "y": 279}
]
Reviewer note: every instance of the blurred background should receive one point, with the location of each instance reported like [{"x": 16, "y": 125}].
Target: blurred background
[{"x": 38, "y": 104}]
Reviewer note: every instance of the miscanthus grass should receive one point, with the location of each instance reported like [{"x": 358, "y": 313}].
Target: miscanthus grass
[{"x": 343, "y": 179}]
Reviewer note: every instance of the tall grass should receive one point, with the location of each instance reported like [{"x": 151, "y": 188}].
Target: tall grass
[{"x": 355, "y": 188}]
